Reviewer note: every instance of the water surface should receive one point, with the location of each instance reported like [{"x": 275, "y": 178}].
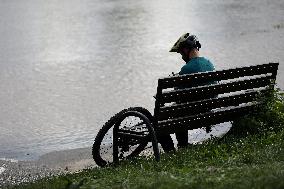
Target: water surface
[{"x": 67, "y": 66}]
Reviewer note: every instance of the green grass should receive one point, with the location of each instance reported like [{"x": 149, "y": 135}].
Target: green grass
[
  {"x": 251, "y": 155},
  {"x": 255, "y": 161}
]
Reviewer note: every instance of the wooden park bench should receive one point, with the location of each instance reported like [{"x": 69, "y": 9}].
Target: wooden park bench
[{"x": 184, "y": 102}]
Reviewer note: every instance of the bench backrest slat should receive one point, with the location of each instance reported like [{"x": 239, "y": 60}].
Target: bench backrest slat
[
  {"x": 209, "y": 91},
  {"x": 180, "y": 81},
  {"x": 203, "y": 120},
  {"x": 192, "y": 108}
]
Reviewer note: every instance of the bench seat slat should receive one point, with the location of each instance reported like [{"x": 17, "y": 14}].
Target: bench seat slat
[
  {"x": 210, "y": 91},
  {"x": 203, "y": 120},
  {"x": 192, "y": 108},
  {"x": 204, "y": 77}
]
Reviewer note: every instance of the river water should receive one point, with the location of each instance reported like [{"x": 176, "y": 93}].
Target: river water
[{"x": 67, "y": 66}]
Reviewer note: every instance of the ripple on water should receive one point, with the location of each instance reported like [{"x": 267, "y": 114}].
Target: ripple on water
[{"x": 2, "y": 169}]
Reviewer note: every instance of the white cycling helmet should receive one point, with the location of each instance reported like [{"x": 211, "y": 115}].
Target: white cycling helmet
[{"x": 186, "y": 41}]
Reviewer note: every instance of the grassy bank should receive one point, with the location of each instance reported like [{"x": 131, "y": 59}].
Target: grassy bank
[
  {"x": 252, "y": 162},
  {"x": 251, "y": 155}
]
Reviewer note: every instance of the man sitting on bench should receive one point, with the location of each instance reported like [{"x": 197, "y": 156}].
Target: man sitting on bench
[{"x": 188, "y": 46}]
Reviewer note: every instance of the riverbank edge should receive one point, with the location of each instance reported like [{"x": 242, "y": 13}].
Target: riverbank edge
[{"x": 254, "y": 161}]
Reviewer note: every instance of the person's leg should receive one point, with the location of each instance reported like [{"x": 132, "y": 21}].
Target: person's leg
[
  {"x": 167, "y": 143},
  {"x": 182, "y": 138}
]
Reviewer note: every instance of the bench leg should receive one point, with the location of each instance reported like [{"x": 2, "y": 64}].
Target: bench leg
[{"x": 167, "y": 143}]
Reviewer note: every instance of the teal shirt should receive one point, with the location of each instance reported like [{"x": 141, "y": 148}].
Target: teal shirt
[{"x": 197, "y": 64}]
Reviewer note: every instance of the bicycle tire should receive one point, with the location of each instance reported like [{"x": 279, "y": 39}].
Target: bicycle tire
[{"x": 96, "y": 151}]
